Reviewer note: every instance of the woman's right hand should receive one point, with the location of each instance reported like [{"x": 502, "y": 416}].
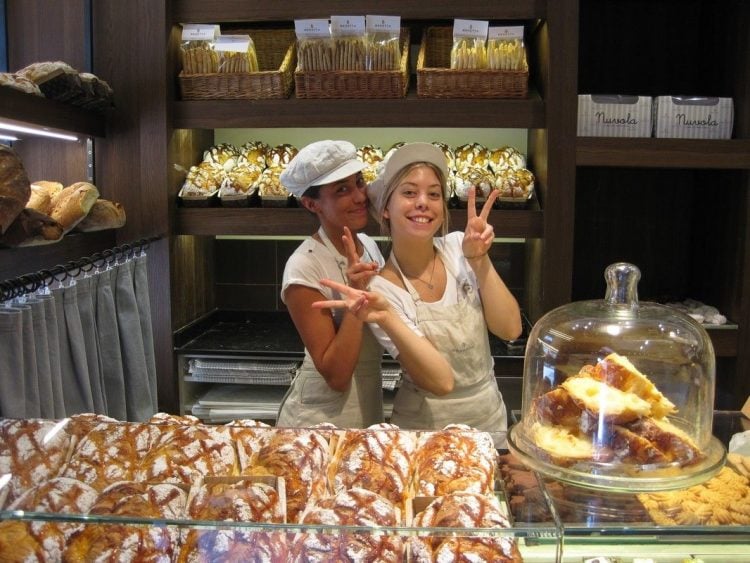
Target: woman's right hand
[
  {"x": 367, "y": 306},
  {"x": 358, "y": 273}
]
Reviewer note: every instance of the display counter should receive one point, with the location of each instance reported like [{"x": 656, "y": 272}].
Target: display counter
[{"x": 175, "y": 489}]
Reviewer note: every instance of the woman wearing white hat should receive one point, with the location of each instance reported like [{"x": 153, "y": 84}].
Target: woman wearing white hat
[
  {"x": 339, "y": 380},
  {"x": 435, "y": 298}
]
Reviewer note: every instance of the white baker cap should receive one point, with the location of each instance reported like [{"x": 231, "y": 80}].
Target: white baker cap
[
  {"x": 396, "y": 160},
  {"x": 320, "y": 163}
]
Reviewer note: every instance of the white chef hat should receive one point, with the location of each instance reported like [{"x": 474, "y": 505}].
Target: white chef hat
[
  {"x": 320, "y": 163},
  {"x": 396, "y": 160}
]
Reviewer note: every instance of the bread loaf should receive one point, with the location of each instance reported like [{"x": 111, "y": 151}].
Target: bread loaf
[
  {"x": 15, "y": 188},
  {"x": 31, "y": 228},
  {"x": 73, "y": 203},
  {"x": 354, "y": 507},
  {"x": 43, "y": 193},
  {"x": 104, "y": 214},
  {"x": 375, "y": 458}
]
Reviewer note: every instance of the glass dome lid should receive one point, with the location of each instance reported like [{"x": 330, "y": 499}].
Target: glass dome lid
[{"x": 618, "y": 395}]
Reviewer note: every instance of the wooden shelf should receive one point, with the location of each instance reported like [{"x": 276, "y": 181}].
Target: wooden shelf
[
  {"x": 207, "y": 11},
  {"x": 417, "y": 112},
  {"x": 26, "y": 109},
  {"x": 663, "y": 153},
  {"x": 16, "y": 262},
  {"x": 212, "y": 221},
  {"x": 724, "y": 341}
]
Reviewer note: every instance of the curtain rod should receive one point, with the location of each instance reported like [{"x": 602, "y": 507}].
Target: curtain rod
[{"x": 29, "y": 283}]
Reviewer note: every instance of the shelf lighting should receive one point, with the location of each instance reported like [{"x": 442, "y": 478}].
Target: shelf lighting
[
  {"x": 8, "y": 138},
  {"x": 36, "y": 131}
]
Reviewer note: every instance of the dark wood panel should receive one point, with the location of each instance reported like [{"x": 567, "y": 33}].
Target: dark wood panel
[
  {"x": 724, "y": 341},
  {"x": 298, "y": 222},
  {"x": 15, "y": 262},
  {"x": 46, "y": 30},
  {"x": 411, "y": 111},
  {"x": 196, "y": 11},
  {"x": 663, "y": 153}
]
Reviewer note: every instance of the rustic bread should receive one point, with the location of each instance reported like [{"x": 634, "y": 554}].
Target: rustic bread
[
  {"x": 32, "y": 228},
  {"x": 104, "y": 214},
  {"x": 15, "y": 188},
  {"x": 43, "y": 193},
  {"x": 73, "y": 203}
]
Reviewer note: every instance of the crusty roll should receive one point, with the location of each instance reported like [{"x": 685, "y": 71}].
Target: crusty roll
[
  {"x": 15, "y": 188},
  {"x": 104, "y": 214},
  {"x": 73, "y": 203},
  {"x": 42, "y": 194},
  {"x": 31, "y": 228}
]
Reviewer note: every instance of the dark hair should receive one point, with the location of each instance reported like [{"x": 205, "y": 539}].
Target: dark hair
[{"x": 313, "y": 192}]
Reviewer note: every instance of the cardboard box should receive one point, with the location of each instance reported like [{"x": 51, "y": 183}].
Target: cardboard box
[
  {"x": 614, "y": 116},
  {"x": 685, "y": 117}
]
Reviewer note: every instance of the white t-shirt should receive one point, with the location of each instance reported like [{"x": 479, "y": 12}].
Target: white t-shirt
[
  {"x": 313, "y": 261},
  {"x": 402, "y": 302}
]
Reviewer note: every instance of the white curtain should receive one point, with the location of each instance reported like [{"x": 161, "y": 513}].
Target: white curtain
[{"x": 81, "y": 341}]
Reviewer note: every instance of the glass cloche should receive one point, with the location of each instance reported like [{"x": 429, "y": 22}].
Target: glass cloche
[{"x": 618, "y": 395}]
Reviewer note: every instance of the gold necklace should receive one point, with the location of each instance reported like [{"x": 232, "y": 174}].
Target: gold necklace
[{"x": 432, "y": 274}]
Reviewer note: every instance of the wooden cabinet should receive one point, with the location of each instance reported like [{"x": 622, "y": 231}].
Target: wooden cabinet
[{"x": 677, "y": 208}]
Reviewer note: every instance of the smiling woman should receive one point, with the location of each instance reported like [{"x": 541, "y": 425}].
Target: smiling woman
[
  {"x": 435, "y": 298},
  {"x": 339, "y": 380}
]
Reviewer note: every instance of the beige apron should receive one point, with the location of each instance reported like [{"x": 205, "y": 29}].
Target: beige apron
[
  {"x": 459, "y": 331},
  {"x": 310, "y": 400}
]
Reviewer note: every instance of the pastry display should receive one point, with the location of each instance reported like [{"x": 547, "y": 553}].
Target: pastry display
[
  {"x": 254, "y": 152},
  {"x": 109, "y": 453},
  {"x": 123, "y": 542},
  {"x": 353, "y": 507},
  {"x": 514, "y": 183},
  {"x": 377, "y": 458},
  {"x": 458, "y": 458},
  {"x": 469, "y": 176},
  {"x": 174, "y": 419},
  {"x": 180, "y": 454},
  {"x": 300, "y": 456},
  {"x": 224, "y": 155},
  {"x": 203, "y": 179},
  {"x": 31, "y": 452},
  {"x": 450, "y": 156},
  {"x": 241, "y": 180},
  {"x": 720, "y": 501},
  {"x": 471, "y": 155},
  {"x": 610, "y": 412},
  {"x": 271, "y": 190},
  {"x": 372, "y": 156},
  {"x": 39, "y": 540},
  {"x": 505, "y": 158},
  {"x": 199, "y": 57},
  {"x": 237, "y": 501},
  {"x": 280, "y": 155},
  {"x": 463, "y": 510}
]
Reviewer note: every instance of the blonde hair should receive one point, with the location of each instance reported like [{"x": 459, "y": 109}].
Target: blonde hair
[{"x": 378, "y": 207}]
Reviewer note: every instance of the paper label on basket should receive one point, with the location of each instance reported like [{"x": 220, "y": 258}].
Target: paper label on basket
[
  {"x": 342, "y": 26},
  {"x": 311, "y": 29},
  {"x": 232, "y": 43},
  {"x": 506, "y": 32},
  {"x": 385, "y": 24},
  {"x": 199, "y": 32},
  {"x": 470, "y": 28}
]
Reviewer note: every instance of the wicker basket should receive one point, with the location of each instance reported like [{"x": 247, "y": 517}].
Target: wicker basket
[
  {"x": 277, "y": 58},
  {"x": 357, "y": 83},
  {"x": 435, "y": 78}
]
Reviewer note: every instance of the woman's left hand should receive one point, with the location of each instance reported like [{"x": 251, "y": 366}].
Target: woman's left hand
[{"x": 479, "y": 233}]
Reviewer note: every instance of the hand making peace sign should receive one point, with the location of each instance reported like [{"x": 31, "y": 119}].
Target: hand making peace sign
[
  {"x": 358, "y": 273},
  {"x": 479, "y": 233}
]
